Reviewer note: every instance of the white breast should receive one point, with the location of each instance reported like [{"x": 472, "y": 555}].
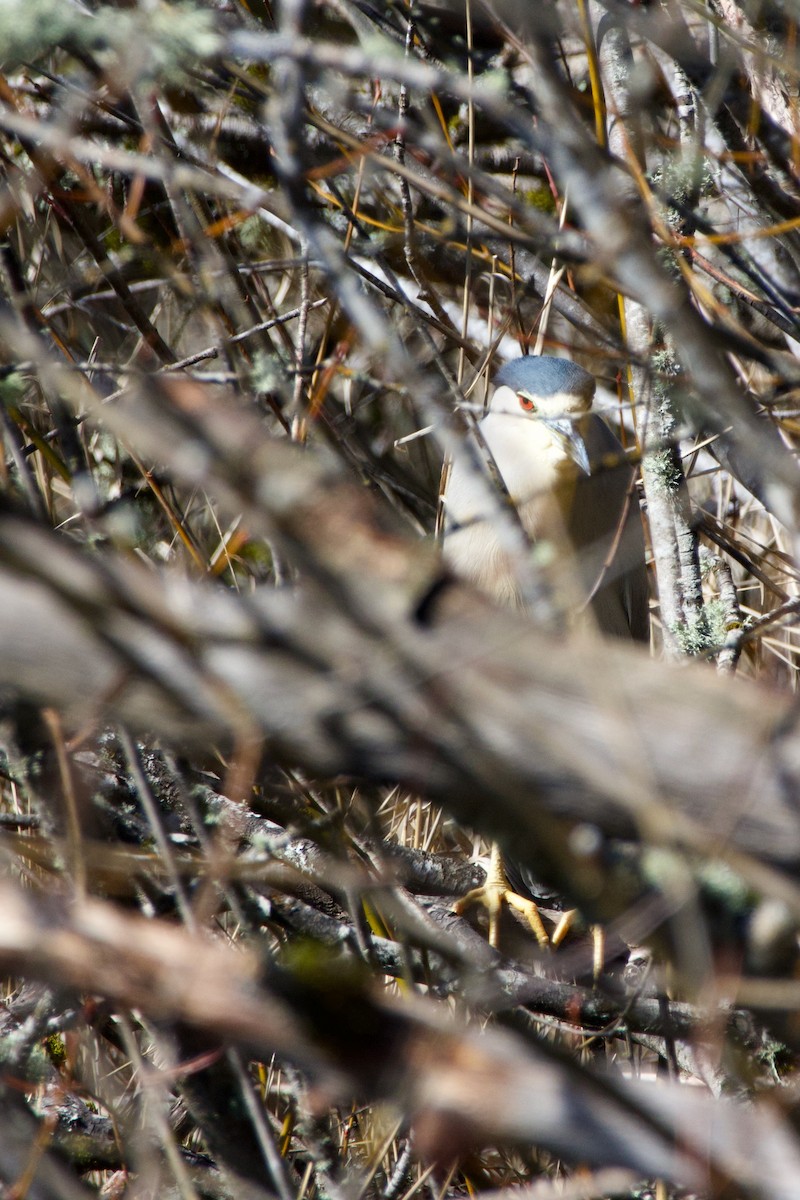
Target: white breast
[
  {"x": 587, "y": 526},
  {"x": 533, "y": 470}
]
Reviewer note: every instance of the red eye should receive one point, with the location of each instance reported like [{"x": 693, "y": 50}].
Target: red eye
[{"x": 526, "y": 403}]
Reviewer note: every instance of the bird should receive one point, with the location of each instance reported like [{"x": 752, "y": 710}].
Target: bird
[{"x": 573, "y": 487}]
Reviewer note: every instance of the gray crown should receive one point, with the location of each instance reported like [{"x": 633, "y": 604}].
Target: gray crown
[{"x": 542, "y": 376}]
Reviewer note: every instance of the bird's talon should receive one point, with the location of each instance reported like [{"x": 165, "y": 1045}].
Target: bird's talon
[
  {"x": 528, "y": 909},
  {"x": 492, "y": 896},
  {"x": 566, "y": 921}
]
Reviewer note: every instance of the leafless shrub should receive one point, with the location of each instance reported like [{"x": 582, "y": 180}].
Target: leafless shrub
[{"x": 257, "y": 267}]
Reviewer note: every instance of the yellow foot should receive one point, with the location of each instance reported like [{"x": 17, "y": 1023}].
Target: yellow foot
[
  {"x": 598, "y": 940},
  {"x": 496, "y": 892},
  {"x": 531, "y": 914},
  {"x": 565, "y": 923}
]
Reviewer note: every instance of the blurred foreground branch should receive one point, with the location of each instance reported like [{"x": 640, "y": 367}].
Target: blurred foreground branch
[
  {"x": 525, "y": 1093},
  {"x": 378, "y": 665}
]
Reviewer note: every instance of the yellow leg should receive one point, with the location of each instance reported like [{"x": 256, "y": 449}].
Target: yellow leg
[
  {"x": 566, "y": 921},
  {"x": 494, "y": 892},
  {"x": 598, "y": 940},
  {"x": 599, "y": 951}
]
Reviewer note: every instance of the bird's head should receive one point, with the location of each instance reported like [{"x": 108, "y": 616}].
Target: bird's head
[{"x": 553, "y": 391}]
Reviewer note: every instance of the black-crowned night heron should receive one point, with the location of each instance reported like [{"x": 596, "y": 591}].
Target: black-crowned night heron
[{"x": 574, "y": 490}]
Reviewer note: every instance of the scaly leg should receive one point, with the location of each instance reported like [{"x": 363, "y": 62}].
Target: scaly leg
[
  {"x": 598, "y": 940},
  {"x": 494, "y": 892}
]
